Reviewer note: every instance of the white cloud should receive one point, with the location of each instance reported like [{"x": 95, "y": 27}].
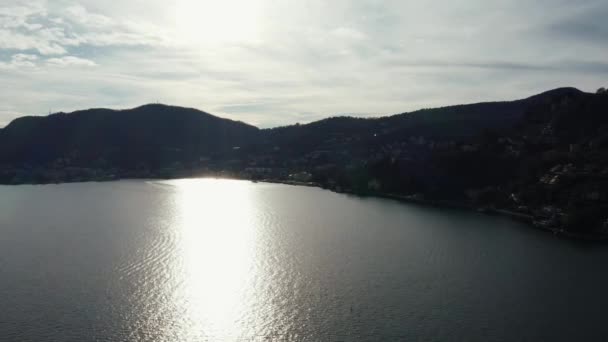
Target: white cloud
[
  {"x": 20, "y": 60},
  {"x": 55, "y": 30},
  {"x": 80, "y": 15},
  {"x": 10, "y": 40},
  {"x": 67, "y": 61}
]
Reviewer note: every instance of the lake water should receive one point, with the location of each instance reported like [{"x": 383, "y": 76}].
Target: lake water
[{"x": 221, "y": 260}]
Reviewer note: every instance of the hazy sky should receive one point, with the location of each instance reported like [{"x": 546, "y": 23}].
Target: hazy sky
[{"x": 274, "y": 62}]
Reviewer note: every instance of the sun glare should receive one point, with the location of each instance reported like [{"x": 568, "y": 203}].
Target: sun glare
[
  {"x": 216, "y": 225},
  {"x": 215, "y": 22}
]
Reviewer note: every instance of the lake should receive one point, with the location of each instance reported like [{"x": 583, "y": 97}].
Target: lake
[{"x": 224, "y": 260}]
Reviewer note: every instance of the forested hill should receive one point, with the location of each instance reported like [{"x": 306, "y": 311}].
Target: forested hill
[
  {"x": 460, "y": 122},
  {"x": 149, "y": 136},
  {"x": 155, "y": 134}
]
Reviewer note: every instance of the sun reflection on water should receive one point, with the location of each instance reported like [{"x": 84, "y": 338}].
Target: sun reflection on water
[{"x": 216, "y": 247}]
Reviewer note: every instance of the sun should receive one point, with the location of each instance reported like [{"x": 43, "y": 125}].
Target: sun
[{"x": 217, "y": 22}]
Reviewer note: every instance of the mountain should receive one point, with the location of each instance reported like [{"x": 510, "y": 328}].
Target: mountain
[
  {"x": 152, "y": 135},
  {"x": 453, "y": 122}
]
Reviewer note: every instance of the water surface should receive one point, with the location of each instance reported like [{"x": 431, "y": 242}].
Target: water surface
[{"x": 221, "y": 260}]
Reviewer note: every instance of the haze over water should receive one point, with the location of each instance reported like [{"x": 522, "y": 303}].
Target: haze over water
[{"x": 222, "y": 260}]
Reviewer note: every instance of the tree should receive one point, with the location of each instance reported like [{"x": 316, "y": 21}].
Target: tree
[{"x": 602, "y": 90}]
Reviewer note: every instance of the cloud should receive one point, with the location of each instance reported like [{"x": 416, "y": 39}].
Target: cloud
[
  {"x": 67, "y": 61},
  {"x": 23, "y": 62},
  {"x": 585, "y": 22},
  {"x": 51, "y": 31},
  {"x": 42, "y": 43},
  {"x": 20, "y": 60},
  {"x": 16, "y": 14},
  {"x": 306, "y": 60},
  {"x": 82, "y": 16}
]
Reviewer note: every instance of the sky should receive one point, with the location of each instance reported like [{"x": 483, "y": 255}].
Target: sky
[{"x": 272, "y": 63}]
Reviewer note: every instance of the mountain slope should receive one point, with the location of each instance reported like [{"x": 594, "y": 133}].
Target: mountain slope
[
  {"x": 150, "y": 134},
  {"x": 447, "y": 123}
]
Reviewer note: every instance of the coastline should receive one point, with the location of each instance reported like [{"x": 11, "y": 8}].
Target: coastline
[
  {"x": 525, "y": 218},
  {"x": 530, "y": 220}
]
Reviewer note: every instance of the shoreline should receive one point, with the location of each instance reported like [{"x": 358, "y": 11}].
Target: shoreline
[
  {"x": 412, "y": 199},
  {"x": 525, "y": 218}
]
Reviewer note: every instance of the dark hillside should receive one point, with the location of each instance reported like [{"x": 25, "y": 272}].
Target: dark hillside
[{"x": 150, "y": 134}]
